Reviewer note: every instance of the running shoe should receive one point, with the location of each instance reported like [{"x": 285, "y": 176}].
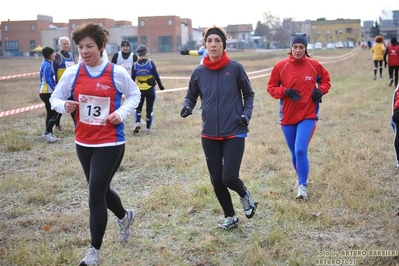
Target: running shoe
[
  {"x": 54, "y": 136},
  {"x": 137, "y": 128},
  {"x": 229, "y": 223},
  {"x": 92, "y": 258},
  {"x": 302, "y": 194},
  {"x": 248, "y": 204},
  {"x": 124, "y": 226},
  {"x": 49, "y": 137}
]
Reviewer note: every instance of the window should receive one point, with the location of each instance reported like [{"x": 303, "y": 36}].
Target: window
[
  {"x": 73, "y": 26},
  {"x": 12, "y": 46},
  {"x": 5, "y": 28},
  {"x": 328, "y": 32},
  {"x": 32, "y": 44},
  {"x": 32, "y": 27},
  {"x": 142, "y": 23},
  {"x": 170, "y": 22},
  {"x": 144, "y": 40}
]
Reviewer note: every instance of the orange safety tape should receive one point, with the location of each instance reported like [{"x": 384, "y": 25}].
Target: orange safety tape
[{"x": 37, "y": 106}]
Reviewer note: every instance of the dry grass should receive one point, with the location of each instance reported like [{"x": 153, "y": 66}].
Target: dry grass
[{"x": 353, "y": 186}]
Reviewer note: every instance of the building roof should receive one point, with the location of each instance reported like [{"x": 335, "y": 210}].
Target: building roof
[{"x": 239, "y": 28}]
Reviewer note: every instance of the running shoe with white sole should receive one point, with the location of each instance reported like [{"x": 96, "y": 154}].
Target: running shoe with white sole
[
  {"x": 229, "y": 223},
  {"x": 49, "y": 137},
  {"x": 302, "y": 193},
  {"x": 124, "y": 226},
  {"x": 248, "y": 204},
  {"x": 92, "y": 258},
  {"x": 54, "y": 136}
]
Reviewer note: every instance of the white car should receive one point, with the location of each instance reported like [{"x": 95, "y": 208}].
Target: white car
[
  {"x": 310, "y": 46},
  {"x": 339, "y": 45},
  {"x": 350, "y": 45},
  {"x": 318, "y": 45},
  {"x": 330, "y": 45}
]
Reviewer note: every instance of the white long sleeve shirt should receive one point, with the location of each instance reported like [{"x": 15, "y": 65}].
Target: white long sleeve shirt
[{"x": 123, "y": 83}]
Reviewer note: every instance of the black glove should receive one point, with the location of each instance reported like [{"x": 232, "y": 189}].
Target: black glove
[
  {"x": 244, "y": 121},
  {"x": 385, "y": 65},
  {"x": 161, "y": 87},
  {"x": 294, "y": 95},
  {"x": 184, "y": 52},
  {"x": 316, "y": 96},
  {"x": 395, "y": 117},
  {"x": 186, "y": 111}
]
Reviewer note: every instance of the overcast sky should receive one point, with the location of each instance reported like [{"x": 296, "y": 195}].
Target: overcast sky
[{"x": 203, "y": 13}]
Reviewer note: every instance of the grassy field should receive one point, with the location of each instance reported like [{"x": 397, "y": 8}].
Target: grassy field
[{"x": 352, "y": 212}]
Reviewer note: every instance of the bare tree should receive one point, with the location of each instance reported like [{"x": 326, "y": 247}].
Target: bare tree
[
  {"x": 275, "y": 30},
  {"x": 289, "y": 27},
  {"x": 271, "y": 24}
]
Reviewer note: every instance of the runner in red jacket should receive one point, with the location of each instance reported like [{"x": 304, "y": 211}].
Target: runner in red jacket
[
  {"x": 299, "y": 82},
  {"x": 395, "y": 122},
  {"x": 392, "y": 53}
]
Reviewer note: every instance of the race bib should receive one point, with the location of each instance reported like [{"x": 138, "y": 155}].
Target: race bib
[
  {"x": 93, "y": 110},
  {"x": 69, "y": 64}
]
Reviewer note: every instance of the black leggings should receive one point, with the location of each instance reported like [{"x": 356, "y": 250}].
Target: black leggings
[
  {"x": 393, "y": 73},
  {"x": 99, "y": 165},
  {"x": 377, "y": 65},
  {"x": 223, "y": 158},
  {"x": 51, "y": 116},
  {"x": 149, "y": 96}
]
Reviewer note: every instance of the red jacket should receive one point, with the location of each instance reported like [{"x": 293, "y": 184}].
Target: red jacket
[
  {"x": 304, "y": 75},
  {"x": 393, "y": 55},
  {"x": 395, "y": 100}
]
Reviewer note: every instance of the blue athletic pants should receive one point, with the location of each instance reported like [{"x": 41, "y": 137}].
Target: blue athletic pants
[{"x": 298, "y": 137}]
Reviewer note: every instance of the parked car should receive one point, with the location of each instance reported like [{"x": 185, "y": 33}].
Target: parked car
[
  {"x": 350, "y": 45},
  {"x": 310, "y": 46},
  {"x": 330, "y": 45},
  {"x": 339, "y": 45},
  {"x": 318, "y": 45}
]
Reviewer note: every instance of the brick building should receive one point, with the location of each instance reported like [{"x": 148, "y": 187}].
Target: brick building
[
  {"x": 20, "y": 37},
  {"x": 160, "y": 33}
]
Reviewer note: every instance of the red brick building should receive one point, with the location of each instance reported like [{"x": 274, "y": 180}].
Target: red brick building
[
  {"x": 20, "y": 37},
  {"x": 159, "y": 33},
  {"x": 162, "y": 33}
]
